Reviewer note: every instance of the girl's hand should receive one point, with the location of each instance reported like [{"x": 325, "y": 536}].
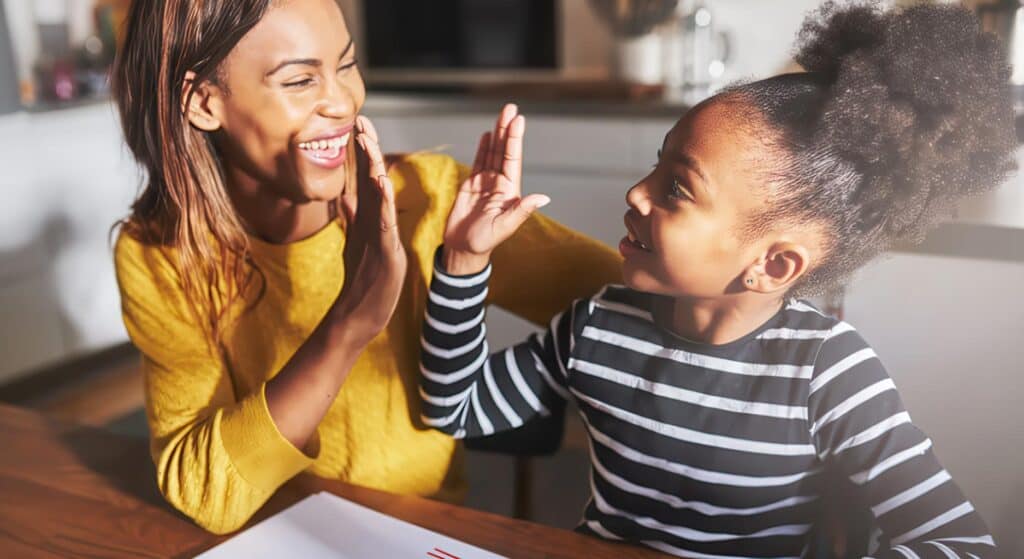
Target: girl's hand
[
  {"x": 374, "y": 257},
  {"x": 489, "y": 208}
]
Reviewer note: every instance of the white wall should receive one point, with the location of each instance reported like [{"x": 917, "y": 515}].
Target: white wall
[
  {"x": 950, "y": 331},
  {"x": 66, "y": 180}
]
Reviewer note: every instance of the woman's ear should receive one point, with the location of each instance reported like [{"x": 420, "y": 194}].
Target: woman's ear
[
  {"x": 778, "y": 269},
  {"x": 201, "y": 103}
]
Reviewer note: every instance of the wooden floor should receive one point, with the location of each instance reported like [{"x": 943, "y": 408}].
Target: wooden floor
[{"x": 105, "y": 390}]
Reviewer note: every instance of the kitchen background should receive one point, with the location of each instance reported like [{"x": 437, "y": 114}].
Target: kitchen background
[{"x": 947, "y": 317}]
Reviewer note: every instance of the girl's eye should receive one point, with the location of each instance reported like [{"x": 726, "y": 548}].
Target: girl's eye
[
  {"x": 678, "y": 192},
  {"x": 347, "y": 66}
]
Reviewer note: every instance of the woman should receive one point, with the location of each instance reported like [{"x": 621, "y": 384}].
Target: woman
[{"x": 258, "y": 276}]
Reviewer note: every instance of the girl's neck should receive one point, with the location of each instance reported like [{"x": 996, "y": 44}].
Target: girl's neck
[
  {"x": 718, "y": 321},
  {"x": 273, "y": 218}
]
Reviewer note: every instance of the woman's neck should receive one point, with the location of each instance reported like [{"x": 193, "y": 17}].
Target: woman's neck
[
  {"x": 721, "y": 320},
  {"x": 273, "y": 218}
]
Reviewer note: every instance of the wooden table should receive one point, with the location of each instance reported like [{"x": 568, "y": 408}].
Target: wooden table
[{"x": 73, "y": 491}]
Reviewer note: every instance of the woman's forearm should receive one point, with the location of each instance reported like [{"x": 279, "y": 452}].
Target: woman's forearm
[{"x": 300, "y": 395}]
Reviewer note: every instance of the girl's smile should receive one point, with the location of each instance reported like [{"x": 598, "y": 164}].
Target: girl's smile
[{"x": 631, "y": 244}]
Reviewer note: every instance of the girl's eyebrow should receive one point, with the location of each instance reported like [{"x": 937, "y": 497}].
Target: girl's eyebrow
[{"x": 684, "y": 158}]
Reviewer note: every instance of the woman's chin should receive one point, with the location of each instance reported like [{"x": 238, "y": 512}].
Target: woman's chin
[{"x": 323, "y": 190}]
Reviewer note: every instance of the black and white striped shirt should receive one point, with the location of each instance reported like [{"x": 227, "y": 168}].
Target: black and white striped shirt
[{"x": 700, "y": 450}]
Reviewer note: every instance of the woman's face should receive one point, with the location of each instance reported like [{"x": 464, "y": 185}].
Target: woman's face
[{"x": 289, "y": 95}]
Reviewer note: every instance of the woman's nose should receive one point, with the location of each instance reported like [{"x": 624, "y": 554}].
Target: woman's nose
[{"x": 337, "y": 102}]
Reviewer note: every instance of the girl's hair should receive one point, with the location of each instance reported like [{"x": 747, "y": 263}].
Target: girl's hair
[
  {"x": 184, "y": 204},
  {"x": 900, "y": 114}
]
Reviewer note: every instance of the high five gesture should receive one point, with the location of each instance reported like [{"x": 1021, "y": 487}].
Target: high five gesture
[{"x": 490, "y": 207}]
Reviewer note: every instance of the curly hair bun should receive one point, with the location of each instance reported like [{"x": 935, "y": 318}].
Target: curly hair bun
[{"x": 919, "y": 102}]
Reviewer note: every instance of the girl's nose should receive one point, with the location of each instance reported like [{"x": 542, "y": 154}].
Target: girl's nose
[{"x": 638, "y": 198}]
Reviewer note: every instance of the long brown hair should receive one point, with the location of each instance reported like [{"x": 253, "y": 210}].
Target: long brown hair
[{"x": 184, "y": 203}]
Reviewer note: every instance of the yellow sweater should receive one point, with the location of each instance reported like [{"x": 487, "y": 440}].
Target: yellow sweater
[{"x": 218, "y": 454}]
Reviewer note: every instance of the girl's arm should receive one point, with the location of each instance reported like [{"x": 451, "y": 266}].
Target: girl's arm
[
  {"x": 465, "y": 391},
  {"x": 859, "y": 425},
  {"x": 544, "y": 265},
  {"x": 468, "y": 393}
]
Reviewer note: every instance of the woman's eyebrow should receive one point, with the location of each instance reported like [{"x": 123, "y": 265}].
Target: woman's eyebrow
[{"x": 314, "y": 62}]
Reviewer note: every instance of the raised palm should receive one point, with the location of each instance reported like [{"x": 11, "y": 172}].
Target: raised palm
[{"x": 489, "y": 206}]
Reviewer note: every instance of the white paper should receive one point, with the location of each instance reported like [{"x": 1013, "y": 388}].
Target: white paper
[{"x": 325, "y": 525}]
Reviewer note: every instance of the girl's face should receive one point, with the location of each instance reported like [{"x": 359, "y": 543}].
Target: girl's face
[
  {"x": 288, "y": 99},
  {"x": 686, "y": 219}
]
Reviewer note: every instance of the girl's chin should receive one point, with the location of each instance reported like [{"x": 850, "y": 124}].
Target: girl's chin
[
  {"x": 641, "y": 280},
  {"x": 638, "y": 279}
]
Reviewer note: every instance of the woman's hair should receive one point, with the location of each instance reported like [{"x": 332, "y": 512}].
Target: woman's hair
[
  {"x": 184, "y": 204},
  {"x": 900, "y": 114}
]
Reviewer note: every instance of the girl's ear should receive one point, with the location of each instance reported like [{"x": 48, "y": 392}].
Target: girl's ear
[{"x": 778, "y": 269}]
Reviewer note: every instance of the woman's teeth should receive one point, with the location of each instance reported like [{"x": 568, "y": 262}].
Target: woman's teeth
[{"x": 329, "y": 144}]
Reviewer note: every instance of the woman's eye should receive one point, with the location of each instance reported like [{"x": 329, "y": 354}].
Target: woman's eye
[{"x": 348, "y": 66}]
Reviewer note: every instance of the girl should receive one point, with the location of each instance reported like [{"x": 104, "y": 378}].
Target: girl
[
  {"x": 717, "y": 405},
  {"x": 258, "y": 277}
]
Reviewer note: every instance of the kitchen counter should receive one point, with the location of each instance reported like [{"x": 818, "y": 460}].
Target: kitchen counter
[
  {"x": 69, "y": 178},
  {"x": 990, "y": 226},
  {"x": 400, "y": 104}
]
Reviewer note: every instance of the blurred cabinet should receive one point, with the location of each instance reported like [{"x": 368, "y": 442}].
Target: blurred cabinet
[
  {"x": 32, "y": 330},
  {"x": 584, "y": 163}
]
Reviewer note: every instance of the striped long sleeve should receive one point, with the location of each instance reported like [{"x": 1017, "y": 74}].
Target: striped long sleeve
[
  {"x": 700, "y": 450},
  {"x": 468, "y": 393},
  {"x": 859, "y": 425}
]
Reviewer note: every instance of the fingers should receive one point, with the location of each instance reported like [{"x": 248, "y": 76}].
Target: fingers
[
  {"x": 388, "y": 214},
  {"x": 497, "y": 152},
  {"x": 512, "y": 163},
  {"x": 388, "y": 218},
  {"x": 483, "y": 151},
  {"x": 509, "y": 221},
  {"x": 364, "y": 124},
  {"x": 377, "y": 166}
]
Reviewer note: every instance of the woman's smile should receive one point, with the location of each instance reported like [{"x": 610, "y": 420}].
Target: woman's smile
[{"x": 328, "y": 149}]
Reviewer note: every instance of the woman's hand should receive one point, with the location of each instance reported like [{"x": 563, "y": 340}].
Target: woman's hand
[
  {"x": 374, "y": 257},
  {"x": 489, "y": 208}
]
